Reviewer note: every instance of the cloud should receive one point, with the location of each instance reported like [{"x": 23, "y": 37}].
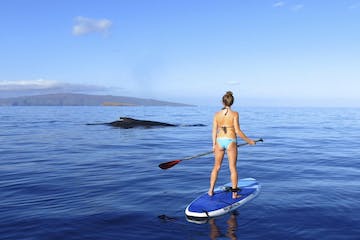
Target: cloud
[
  {"x": 85, "y": 25},
  {"x": 233, "y": 83},
  {"x": 279, "y": 4},
  {"x": 355, "y": 6},
  {"x": 43, "y": 86},
  {"x": 26, "y": 85},
  {"x": 297, "y": 7}
]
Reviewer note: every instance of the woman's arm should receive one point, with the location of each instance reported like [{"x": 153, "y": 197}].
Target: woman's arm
[
  {"x": 240, "y": 133},
  {"x": 214, "y": 131}
]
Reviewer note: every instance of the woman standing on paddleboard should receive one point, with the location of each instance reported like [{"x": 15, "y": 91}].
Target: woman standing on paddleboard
[{"x": 226, "y": 129}]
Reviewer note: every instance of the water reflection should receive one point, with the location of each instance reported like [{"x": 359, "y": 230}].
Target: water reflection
[{"x": 215, "y": 231}]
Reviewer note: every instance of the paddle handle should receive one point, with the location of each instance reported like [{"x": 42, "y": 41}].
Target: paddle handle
[{"x": 243, "y": 144}]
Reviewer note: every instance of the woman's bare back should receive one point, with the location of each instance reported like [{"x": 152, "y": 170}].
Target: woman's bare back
[{"x": 226, "y": 123}]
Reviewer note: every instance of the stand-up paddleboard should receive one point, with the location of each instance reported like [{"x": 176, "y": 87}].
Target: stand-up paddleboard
[{"x": 221, "y": 202}]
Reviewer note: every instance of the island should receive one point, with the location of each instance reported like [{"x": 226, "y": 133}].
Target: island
[{"x": 75, "y": 99}]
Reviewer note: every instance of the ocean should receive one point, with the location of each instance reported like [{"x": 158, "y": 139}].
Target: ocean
[{"x": 63, "y": 179}]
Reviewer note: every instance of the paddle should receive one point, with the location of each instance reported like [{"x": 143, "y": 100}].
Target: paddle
[{"x": 167, "y": 165}]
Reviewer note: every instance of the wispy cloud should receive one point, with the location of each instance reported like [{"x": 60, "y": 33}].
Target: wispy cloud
[
  {"x": 85, "y": 25},
  {"x": 354, "y": 5},
  {"x": 297, "y": 7},
  {"x": 279, "y": 4},
  {"x": 43, "y": 86},
  {"x": 233, "y": 82},
  {"x": 27, "y": 85}
]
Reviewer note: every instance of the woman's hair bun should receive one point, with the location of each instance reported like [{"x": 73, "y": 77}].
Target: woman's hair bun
[{"x": 228, "y": 98}]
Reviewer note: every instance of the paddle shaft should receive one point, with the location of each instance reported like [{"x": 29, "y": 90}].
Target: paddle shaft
[
  {"x": 167, "y": 165},
  {"x": 203, "y": 154}
]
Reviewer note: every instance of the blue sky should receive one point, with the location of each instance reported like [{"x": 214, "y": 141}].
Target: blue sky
[{"x": 269, "y": 53}]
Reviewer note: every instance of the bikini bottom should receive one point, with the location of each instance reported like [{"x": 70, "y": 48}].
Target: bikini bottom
[{"x": 225, "y": 142}]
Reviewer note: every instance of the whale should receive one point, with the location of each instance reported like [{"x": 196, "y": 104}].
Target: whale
[{"x": 127, "y": 122}]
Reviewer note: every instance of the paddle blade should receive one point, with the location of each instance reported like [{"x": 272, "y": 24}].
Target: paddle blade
[{"x": 169, "y": 164}]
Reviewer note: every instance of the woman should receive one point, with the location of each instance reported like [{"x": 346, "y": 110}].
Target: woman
[{"x": 226, "y": 129}]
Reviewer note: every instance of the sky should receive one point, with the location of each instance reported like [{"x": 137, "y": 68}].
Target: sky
[{"x": 268, "y": 53}]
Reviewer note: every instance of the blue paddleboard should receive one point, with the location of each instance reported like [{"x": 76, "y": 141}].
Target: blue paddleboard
[{"x": 221, "y": 202}]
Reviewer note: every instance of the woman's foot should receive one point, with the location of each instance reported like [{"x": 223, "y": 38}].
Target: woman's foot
[
  {"x": 235, "y": 193},
  {"x": 210, "y": 193}
]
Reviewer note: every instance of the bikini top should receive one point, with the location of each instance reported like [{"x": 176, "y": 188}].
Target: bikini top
[{"x": 224, "y": 127}]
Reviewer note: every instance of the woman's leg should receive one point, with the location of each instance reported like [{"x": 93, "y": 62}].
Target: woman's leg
[
  {"x": 219, "y": 156},
  {"x": 232, "y": 157}
]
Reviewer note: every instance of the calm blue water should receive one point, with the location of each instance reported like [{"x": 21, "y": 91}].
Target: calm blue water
[{"x": 63, "y": 179}]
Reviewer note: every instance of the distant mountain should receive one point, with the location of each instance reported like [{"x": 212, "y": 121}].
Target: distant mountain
[{"x": 71, "y": 99}]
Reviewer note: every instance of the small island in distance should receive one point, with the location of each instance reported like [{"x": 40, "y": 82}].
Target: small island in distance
[{"x": 75, "y": 99}]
